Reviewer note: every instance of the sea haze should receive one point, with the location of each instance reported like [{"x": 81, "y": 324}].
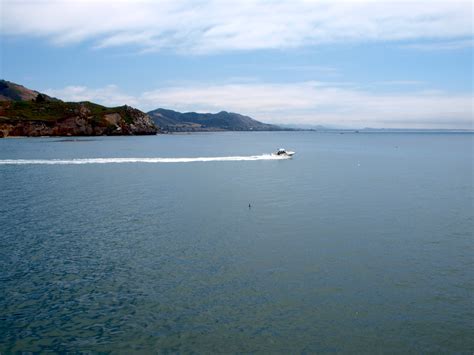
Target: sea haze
[{"x": 361, "y": 243}]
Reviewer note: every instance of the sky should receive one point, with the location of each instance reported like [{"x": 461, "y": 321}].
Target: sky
[{"x": 354, "y": 64}]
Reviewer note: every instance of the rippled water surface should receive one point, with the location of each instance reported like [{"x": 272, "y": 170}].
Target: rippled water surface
[{"x": 360, "y": 243}]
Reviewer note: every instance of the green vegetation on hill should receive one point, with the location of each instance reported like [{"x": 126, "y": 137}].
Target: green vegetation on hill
[
  {"x": 174, "y": 121},
  {"x": 24, "y": 112},
  {"x": 50, "y": 111}
]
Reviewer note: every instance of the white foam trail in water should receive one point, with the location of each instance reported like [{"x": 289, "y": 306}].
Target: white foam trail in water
[{"x": 137, "y": 160}]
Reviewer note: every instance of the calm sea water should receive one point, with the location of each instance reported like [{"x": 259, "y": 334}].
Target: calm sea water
[{"x": 361, "y": 243}]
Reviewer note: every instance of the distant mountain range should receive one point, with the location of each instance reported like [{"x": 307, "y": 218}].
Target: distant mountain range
[
  {"x": 25, "y": 112},
  {"x": 173, "y": 121}
]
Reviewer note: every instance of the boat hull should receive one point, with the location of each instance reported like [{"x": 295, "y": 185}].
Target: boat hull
[{"x": 286, "y": 154}]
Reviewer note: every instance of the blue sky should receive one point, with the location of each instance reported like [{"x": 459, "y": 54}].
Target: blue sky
[{"x": 336, "y": 63}]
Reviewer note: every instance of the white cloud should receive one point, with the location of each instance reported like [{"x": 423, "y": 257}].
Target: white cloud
[
  {"x": 217, "y": 25},
  {"x": 441, "y": 46},
  {"x": 300, "y": 103},
  {"x": 109, "y": 95}
]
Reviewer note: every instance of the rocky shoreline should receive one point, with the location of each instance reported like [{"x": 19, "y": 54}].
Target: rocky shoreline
[
  {"x": 81, "y": 124},
  {"x": 28, "y": 113}
]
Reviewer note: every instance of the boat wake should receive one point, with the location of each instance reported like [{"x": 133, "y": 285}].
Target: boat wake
[{"x": 137, "y": 160}]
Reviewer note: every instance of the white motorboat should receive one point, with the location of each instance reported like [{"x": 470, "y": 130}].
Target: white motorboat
[{"x": 283, "y": 152}]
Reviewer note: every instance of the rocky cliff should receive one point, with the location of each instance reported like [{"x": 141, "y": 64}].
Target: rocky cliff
[{"x": 25, "y": 112}]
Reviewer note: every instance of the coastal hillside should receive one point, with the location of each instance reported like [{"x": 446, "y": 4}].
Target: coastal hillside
[
  {"x": 173, "y": 121},
  {"x": 25, "y": 112},
  {"x": 14, "y": 92}
]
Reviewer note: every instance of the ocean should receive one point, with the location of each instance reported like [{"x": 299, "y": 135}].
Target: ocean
[{"x": 361, "y": 243}]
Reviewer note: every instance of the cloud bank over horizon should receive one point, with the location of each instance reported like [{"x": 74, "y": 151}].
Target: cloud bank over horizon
[
  {"x": 305, "y": 103},
  {"x": 203, "y": 27}
]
